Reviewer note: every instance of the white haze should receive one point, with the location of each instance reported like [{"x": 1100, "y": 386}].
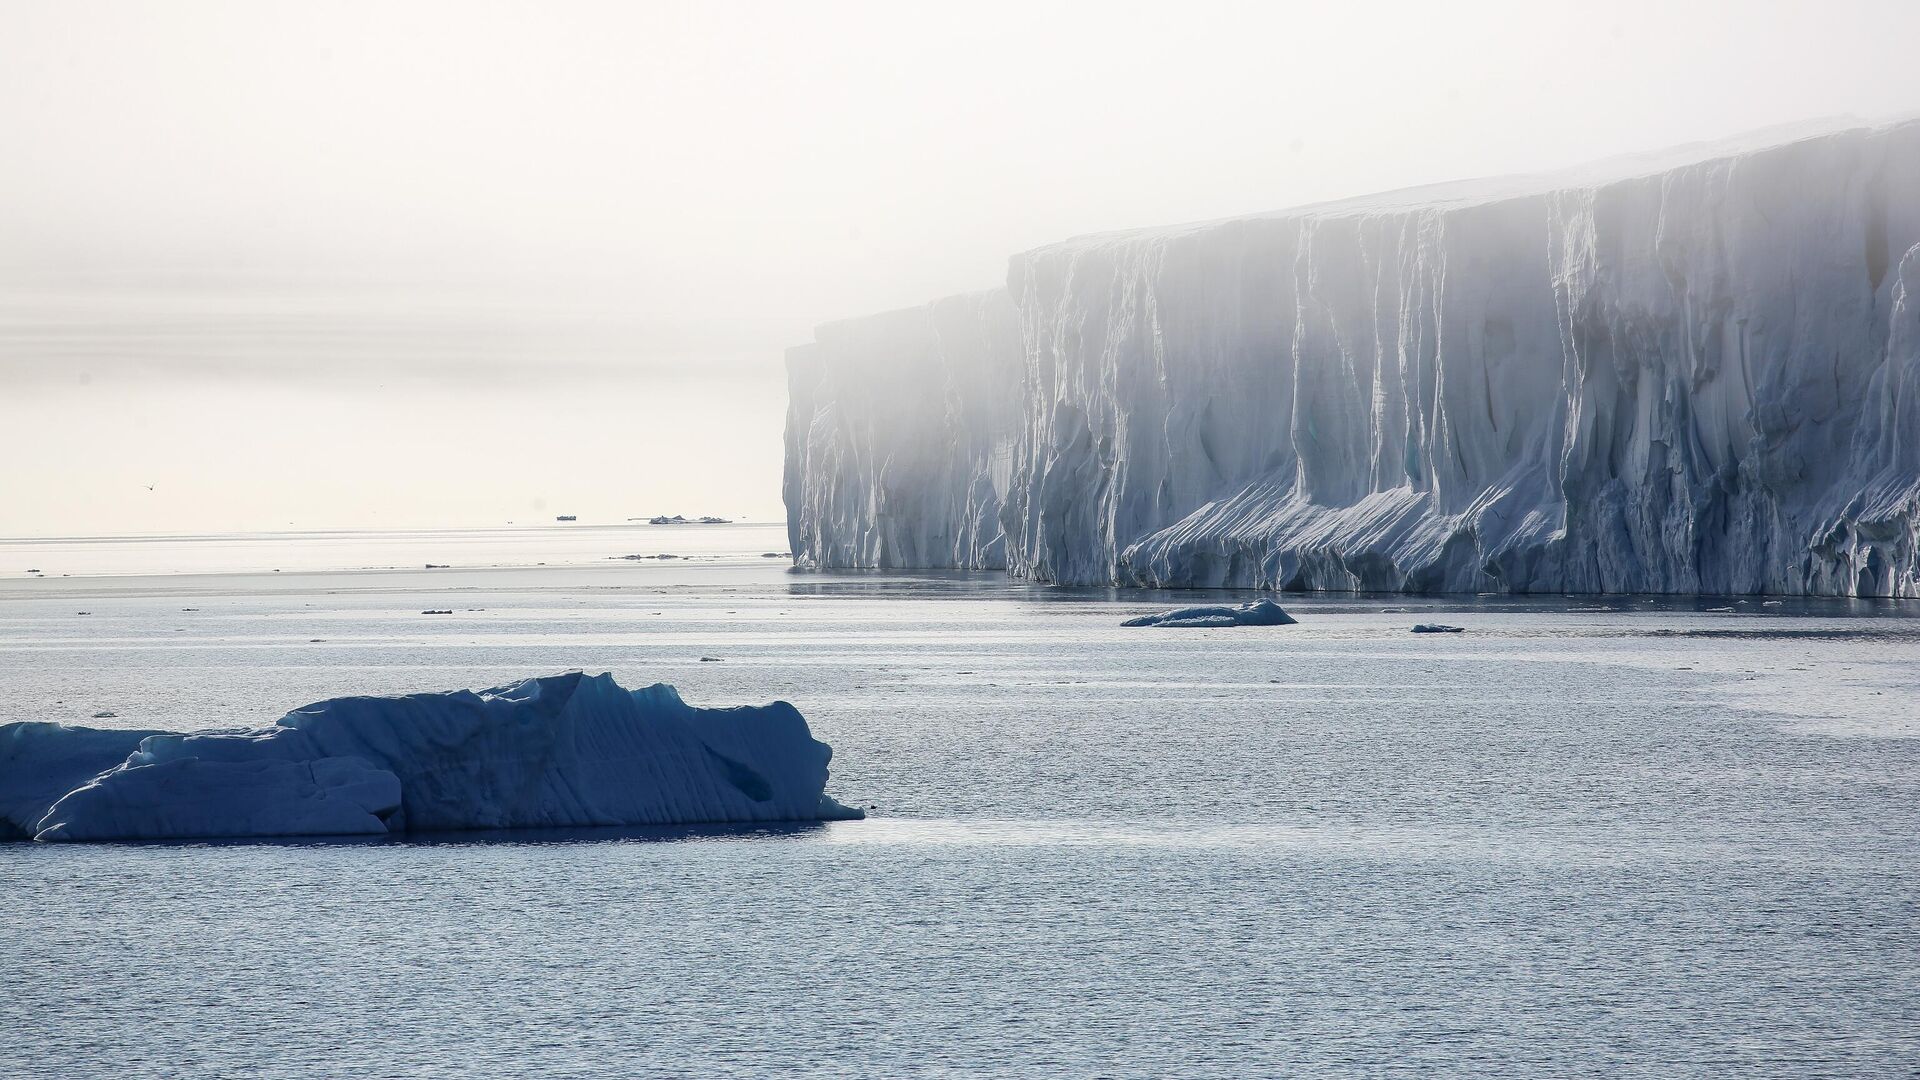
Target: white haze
[{"x": 347, "y": 264}]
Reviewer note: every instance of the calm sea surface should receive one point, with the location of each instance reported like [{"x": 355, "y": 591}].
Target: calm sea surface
[{"x": 1611, "y": 837}]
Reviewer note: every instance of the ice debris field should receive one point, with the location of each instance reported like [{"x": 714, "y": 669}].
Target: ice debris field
[{"x": 563, "y": 751}]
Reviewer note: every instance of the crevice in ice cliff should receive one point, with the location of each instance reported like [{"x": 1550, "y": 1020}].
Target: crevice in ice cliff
[{"x": 1700, "y": 375}]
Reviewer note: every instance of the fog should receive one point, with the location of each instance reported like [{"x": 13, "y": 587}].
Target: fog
[{"x": 359, "y": 264}]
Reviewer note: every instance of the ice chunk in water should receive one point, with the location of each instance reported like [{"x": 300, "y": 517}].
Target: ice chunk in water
[{"x": 556, "y": 752}]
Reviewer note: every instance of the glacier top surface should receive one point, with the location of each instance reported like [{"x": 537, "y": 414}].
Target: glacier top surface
[
  {"x": 1452, "y": 194},
  {"x": 900, "y": 314}
]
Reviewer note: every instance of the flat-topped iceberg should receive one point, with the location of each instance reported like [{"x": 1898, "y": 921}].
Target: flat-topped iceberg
[
  {"x": 1692, "y": 372},
  {"x": 563, "y": 751},
  {"x": 1261, "y": 612}
]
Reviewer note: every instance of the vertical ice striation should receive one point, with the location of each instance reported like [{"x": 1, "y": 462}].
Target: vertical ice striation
[
  {"x": 1693, "y": 372},
  {"x": 893, "y": 427}
]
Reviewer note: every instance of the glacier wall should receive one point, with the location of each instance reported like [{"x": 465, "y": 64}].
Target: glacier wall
[
  {"x": 1690, "y": 373},
  {"x": 892, "y": 430}
]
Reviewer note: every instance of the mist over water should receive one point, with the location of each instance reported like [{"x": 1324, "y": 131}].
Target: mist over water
[
  {"x": 428, "y": 263},
  {"x": 262, "y": 455}
]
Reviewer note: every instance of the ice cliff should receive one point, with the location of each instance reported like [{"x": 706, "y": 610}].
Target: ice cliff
[
  {"x": 893, "y": 423},
  {"x": 1690, "y": 372},
  {"x": 564, "y": 751}
]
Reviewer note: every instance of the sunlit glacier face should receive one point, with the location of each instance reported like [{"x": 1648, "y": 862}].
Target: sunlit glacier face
[{"x": 1694, "y": 372}]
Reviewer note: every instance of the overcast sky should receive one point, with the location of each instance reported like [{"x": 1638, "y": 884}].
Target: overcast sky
[{"x": 418, "y": 263}]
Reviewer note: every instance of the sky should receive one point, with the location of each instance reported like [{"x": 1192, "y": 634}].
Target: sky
[{"x": 413, "y": 263}]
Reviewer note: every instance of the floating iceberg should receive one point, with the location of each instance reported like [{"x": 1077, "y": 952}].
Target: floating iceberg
[
  {"x": 1261, "y": 612},
  {"x": 40, "y": 763},
  {"x": 1691, "y": 372},
  {"x": 563, "y": 751}
]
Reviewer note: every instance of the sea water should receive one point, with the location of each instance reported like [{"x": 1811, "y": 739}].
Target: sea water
[{"x": 1588, "y": 836}]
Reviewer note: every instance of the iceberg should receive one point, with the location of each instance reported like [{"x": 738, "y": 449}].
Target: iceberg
[
  {"x": 563, "y": 751},
  {"x": 40, "y": 762},
  {"x": 1261, "y": 612},
  {"x": 1689, "y": 372}
]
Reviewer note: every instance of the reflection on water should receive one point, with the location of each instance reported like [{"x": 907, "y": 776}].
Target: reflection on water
[
  {"x": 645, "y": 834},
  {"x": 606, "y": 834}
]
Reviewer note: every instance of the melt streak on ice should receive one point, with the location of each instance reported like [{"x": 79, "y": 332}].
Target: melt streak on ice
[{"x": 1693, "y": 372}]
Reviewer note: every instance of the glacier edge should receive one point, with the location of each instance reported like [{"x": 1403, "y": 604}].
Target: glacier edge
[{"x": 1697, "y": 378}]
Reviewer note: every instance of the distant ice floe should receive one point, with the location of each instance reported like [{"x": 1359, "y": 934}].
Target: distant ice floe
[
  {"x": 562, "y": 751},
  {"x": 1436, "y": 628},
  {"x": 1262, "y": 612}
]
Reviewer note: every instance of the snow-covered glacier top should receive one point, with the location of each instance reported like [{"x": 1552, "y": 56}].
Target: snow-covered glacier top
[
  {"x": 557, "y": 752},
  {"x": 1479, "y": 190},
  {"x": 1693, "y": 371}
]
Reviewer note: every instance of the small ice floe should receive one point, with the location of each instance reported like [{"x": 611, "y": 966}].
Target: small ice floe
[
  {"x": 1436, "y": 628},
  {"x": 1261, "y": 612}
]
